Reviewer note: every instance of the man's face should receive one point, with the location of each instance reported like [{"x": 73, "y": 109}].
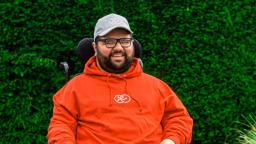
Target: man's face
[{"x": 114, "y": 51}]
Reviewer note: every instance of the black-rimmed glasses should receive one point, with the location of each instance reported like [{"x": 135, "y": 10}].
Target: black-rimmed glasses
[{"x": 111, "y": 42}]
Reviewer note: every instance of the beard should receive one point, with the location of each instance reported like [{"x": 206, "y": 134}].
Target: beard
[{"x": 108, "y": 65}]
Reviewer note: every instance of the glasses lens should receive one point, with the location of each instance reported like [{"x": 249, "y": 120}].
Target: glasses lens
[
  {"x": 125, "y": 42},
  {"x": 110, "y": 42}
]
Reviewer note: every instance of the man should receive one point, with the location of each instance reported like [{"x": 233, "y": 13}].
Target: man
[{"x": 114, "y": 101}]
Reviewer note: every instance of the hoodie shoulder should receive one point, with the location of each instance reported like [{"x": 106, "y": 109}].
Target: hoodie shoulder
[{"x": 158, "y": 83}]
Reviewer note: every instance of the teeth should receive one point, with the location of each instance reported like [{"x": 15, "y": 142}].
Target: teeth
[{"x": 117, "y": 55}]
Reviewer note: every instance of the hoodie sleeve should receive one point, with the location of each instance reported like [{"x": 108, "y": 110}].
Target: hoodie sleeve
[
  {"x": 176, "y": 122},
  {"x": 62, "y": 127}
]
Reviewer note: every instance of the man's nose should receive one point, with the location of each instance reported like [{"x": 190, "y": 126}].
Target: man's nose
[{"x": 118, "y": 46}]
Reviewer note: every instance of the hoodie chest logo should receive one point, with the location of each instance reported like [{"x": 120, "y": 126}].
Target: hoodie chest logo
[{"x": 122, "y": 98}]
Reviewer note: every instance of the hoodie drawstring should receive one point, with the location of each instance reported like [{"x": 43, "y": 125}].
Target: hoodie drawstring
[
  {"x": 110, "y": 91},
  {"x": 126, "y": 90}
]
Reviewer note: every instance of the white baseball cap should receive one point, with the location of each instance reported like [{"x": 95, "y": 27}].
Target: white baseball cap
[{"x": 110, "y": 22}]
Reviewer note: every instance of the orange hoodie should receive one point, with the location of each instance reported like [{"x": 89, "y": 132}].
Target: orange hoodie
[{"x": 97, "y": 107}]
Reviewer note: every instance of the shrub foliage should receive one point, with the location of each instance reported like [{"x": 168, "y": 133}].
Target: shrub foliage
[{"x": 205, "y": 50}]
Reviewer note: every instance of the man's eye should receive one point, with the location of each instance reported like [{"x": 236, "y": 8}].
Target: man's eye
[
  {"x": 110, "y": 41},
  {"x": 125, "y": 41}
]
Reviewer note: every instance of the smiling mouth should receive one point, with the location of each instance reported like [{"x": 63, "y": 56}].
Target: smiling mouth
[{"x": 117, "y": 56}]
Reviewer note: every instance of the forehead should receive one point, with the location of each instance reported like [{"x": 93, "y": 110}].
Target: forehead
[{"x": 118, "y": 32}]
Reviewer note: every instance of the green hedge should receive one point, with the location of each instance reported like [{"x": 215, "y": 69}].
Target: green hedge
[{"x": 205, "y": 50}]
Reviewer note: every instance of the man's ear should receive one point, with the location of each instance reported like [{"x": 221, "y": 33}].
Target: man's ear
[{"x": 94, "y": 47}]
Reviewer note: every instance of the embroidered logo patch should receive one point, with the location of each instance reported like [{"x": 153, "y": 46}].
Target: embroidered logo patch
[{"x": 122, "y": 98}]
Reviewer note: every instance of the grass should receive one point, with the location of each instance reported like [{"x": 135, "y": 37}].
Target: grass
[{"x": 248, "y": 136}]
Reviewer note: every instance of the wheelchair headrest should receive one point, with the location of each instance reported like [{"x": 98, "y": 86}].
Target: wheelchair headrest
[{"x": 85, "y": 50}]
